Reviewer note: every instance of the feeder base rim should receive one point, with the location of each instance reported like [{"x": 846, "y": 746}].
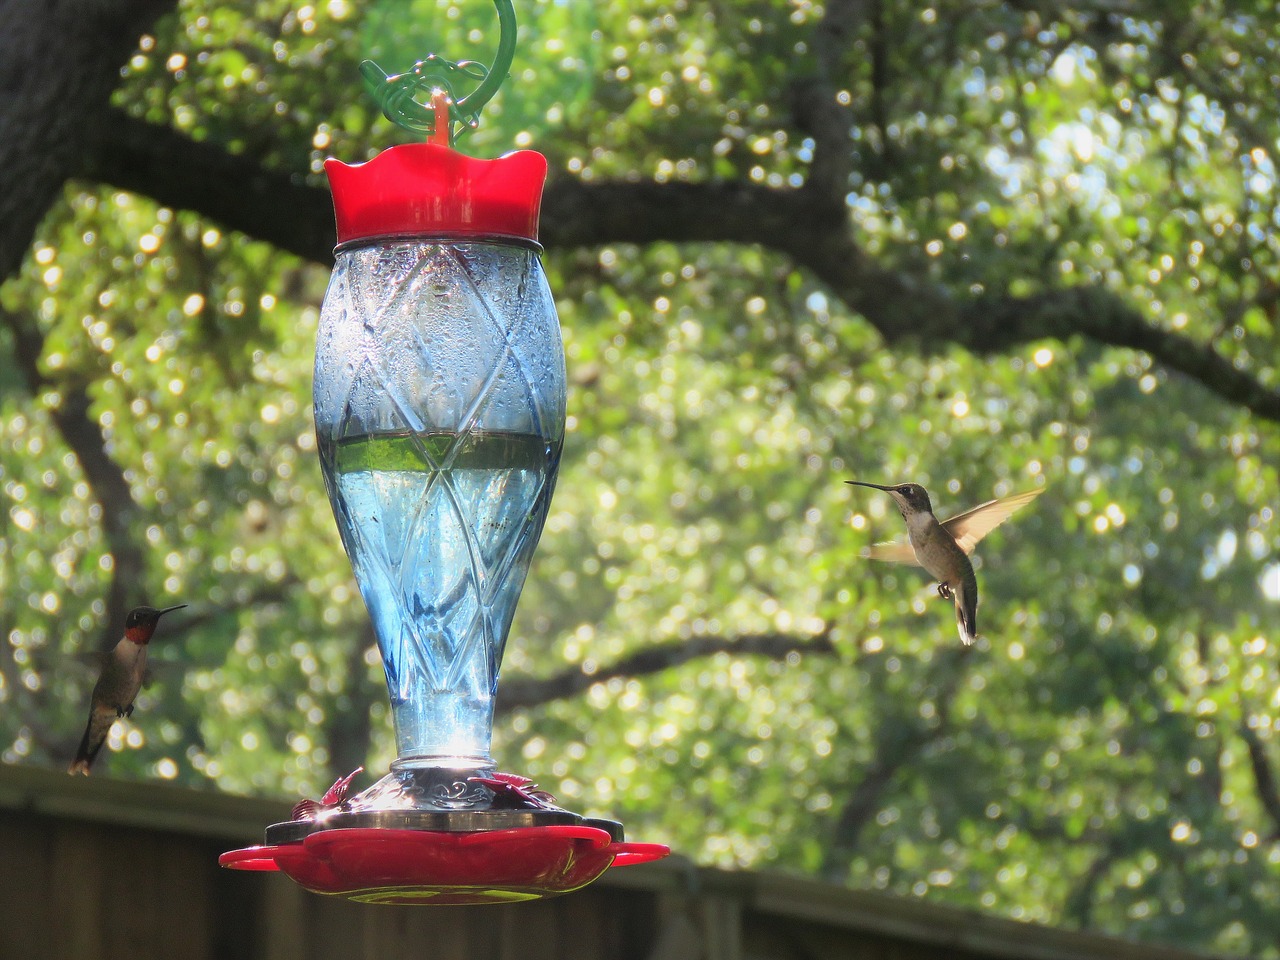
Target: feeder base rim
[{"x": 438, "y": 821}]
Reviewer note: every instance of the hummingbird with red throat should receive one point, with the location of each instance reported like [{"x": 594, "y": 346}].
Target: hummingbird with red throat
[
  {"x": 943, "y": 548},
  {"x": 119, "y": 683}
]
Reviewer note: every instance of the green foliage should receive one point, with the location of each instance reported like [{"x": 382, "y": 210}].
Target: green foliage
[{"x": 1093, "y": 762}]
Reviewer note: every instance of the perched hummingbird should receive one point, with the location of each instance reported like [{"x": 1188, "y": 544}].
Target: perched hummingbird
[
  {"x": 943, "y": 548},
  {"x": 121, "y": 679}
]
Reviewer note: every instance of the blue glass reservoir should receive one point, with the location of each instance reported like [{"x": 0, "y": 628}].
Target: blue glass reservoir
[{"x": 440, "y": 411}]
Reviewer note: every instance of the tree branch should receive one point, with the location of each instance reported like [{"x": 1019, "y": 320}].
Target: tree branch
[
  {"x": 48, "y": 100},
  {"x": 1082, "y": 897},
  {"x": 1101, "y": 315},
  {"x": 899, "y": 740},
  {"x": 281, "y": 208},
  {"x": 808, "y": 226},
  {"x": 814, "y": 106},
  {"x": 1264, "y": 776},
  {"x": 522, "y": 692},
  {"x": 74, "y": 420}
]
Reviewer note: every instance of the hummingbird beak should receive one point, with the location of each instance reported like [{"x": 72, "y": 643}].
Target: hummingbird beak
[
  {"x": 176, "y": 606},
  {"x": 873, "y": 486}
]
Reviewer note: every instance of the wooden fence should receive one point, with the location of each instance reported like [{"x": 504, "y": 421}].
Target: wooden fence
[{"x": 96, "y": 869}]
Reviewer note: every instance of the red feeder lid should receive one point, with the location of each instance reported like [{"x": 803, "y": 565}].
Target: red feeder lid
[{"x": 431, "y": 190}]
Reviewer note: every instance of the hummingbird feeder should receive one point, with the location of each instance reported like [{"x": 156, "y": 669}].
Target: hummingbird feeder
[{"x": 440, "y": 415}]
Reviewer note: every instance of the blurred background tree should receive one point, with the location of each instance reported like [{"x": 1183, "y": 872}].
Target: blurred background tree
[{"x": 983, "y": 246}]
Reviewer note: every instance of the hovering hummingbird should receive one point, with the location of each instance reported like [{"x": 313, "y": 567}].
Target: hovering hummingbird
[
  {"x": 119, "y": 683},
  {"x": 943, "y": 548}
]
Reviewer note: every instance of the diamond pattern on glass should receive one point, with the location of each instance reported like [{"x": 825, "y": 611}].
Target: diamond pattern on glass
[{"x": 440, "y": 412}]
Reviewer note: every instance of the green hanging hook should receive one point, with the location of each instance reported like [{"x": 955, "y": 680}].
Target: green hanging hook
[{"x": 444, "y": 116}]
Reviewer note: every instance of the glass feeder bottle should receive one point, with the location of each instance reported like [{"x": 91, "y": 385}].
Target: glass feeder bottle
[{"x": 439, "y": 414}]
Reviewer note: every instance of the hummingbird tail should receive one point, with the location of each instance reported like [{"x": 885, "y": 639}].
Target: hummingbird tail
[
  {"x": 966, "y": 611},
  {"x": 84, "y": 757},
  {"x": 95, "y": 735}
]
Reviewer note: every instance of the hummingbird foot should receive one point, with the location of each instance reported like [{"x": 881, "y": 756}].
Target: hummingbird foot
[{"x": 944, "y": 591}]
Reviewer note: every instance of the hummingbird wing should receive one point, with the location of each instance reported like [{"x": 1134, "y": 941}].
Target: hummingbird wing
[
  {"x": 971, "y": 526},
  {"x": 892, "y": 551},
  {"x": 93, "y": 660},
  {"x": 96, "y": 660}
]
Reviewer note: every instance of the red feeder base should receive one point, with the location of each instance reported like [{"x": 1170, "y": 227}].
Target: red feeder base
[{"x": 376, "y": 865}]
